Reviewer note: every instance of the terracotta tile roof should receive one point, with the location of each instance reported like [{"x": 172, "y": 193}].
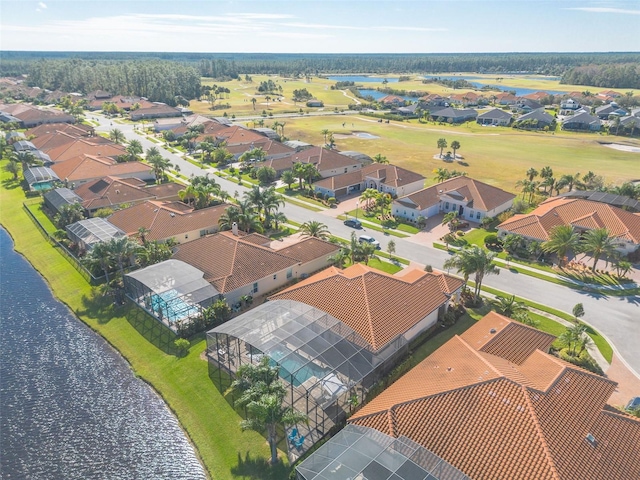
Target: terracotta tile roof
[
  {"x": 89, "y": 167},
  {"x": 166, "y": 220},
  {"x": 537, "y": 96},
  {"x": 271, "y": 147},
  {"x": 110, "y": 191},
  {"x": 310, "y": 248},
  {"x": 77, "y": 130},
  {"x": 481, "y": 196},
  {"x": 583, "y": 214},
  {"x": 230, "y": 262},
  {"x": 232, "y": 135},
  {"x": 322, "y": 158},
  {"x": 375, "y": 304},
  {"x": 495, "y": 419},
  {"x": 93, "y": 146},
  {"x": 503, "y": 337},
  {"x": 389, "y": 175}
]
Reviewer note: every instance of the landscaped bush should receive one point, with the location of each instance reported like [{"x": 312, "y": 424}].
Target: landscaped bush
[
  {"x": 584, "y": 360},
  {"x": 492, "y": 241},
  {"x": 182, "y": 346},
  {"x": 504, "y": 216},
  {"x": 519, "y": 206}
]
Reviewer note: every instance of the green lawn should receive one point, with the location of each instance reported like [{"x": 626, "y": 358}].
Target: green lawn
[{"x": 184, "y": 383}]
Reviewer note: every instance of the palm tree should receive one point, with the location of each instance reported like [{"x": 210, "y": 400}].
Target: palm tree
[
  {"x": 263, "y": 394},
  {"x": 188, "y": 194},
  {"x": 101, "y": 256},
  {"x": 298, "y": 171},
  {"x": 368, "y": 198},
  {"x": 340, "y": 257},
  {"x": 278, "y": 219},
  {"x": 562, "y": 238},
  {"x": 573, "y": 336},
  {"x": 442, "y": 174},
  {"x": 288, "y": 177},
  {"x": 159, "y": 164},
  {"x": 455, "y": 145},
  {"x": 546, "y": 172},
  {"x": 313, "y": 228},
  {"x": 598, "y": 242},
  {"x": 253, "y": 101},
  {"x": 379, "y": 158},
  {"x": 152, "y": 152},
  {"x": 116, "y": 135},
  {"x": 442, "y": 144},
  {"x": 311, "y": 173},
  {"x": 325, "y": 132},
  {"x": 451, "y": 219},
  {"x": 531, "y": 174},
  {"x": 509, "y": 306},
  {"x": 271, "y": 202},
  {"x": 229, "y": 217},
  {"x": 69, "y": 214},
  {"x": 121, "y": 249},
  {"x": 134, "y": 149},
  {"x": 25, "y": 157},
  {"x": 13, "y": 168},
  {"x": 474, "y": 260},
  {"x": 142, "y": 234},
  {"x": 569, "y": 180}
]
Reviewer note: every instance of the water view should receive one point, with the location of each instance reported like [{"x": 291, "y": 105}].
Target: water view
[
  {"x": 378, "y": 95},
  {"x": 501, "y": 86},
  {"x": 71, "y": 407},
  {"x": 361, "y": 79}
]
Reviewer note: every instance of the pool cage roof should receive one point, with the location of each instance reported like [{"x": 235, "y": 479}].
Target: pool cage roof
[
  {"x": 39, "y": 174},
  {"x": 179, "y": 277},
  {"x": 362, "y": 453},
  {"x": 314, "y": 350},
  {"x": 60, "y": 197},
  {"x": 94, "y": 230}
]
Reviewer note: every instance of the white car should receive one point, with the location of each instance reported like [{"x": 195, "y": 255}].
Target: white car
[{"x": 368, "y": 239}]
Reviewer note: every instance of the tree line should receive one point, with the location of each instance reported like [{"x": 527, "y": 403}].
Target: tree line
[
  {"x": 622, "y": 75},
  {"x": 232, "y": 65},
  {"x": 159, "y": 81}
]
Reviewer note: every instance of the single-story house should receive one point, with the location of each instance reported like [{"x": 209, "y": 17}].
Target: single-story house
[
  {"x": 603, "y": 111},
  {"x": 328, "y": 162},
  {"x": 505, "y": 98},
  {"x": 237, "y": 264},
  {"x": 526, "y": 105},
  {"x": 57, "y": 198},
  {"x": 85, "y": 168},
  {"x": 61, "y": 147},
  {"x": 270, "y": 133},
  {"x": 40, "y": 178},
  {"x": 158, "y": 110},
  {"x": 454, "y": 115},
  {"x": 24, "y": 146},
  {"x": 112, "y": 191},
  {"x": 582, "y": 121},
  {"x": 571, "y": 104},
  {"x": 631, "y": 123},
  {"x": 389, "y": 179},
  {"x": 379, "y": 306},
  {"x": 272, "y": 148},
  {"x": 492, "y": 393},
  {"x": 12, "y": 137},
  {"x": 583, "y": 215},
  {"x": 30, "y": 116},
  {"x": 392, "y": 100},
  {"x": 537, "y": 119},
  {"x": 472, "y": 199},
  {"x": 91, "y": 231},
  {"x": 495, "y": 116},
  {"x": 168, "y": 220}
]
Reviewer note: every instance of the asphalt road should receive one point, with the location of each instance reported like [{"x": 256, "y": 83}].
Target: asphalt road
[{"x": 617, "y": 318}]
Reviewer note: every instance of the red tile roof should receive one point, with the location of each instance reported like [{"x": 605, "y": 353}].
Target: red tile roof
[
  {"x": 89, "y": 167},
  {"x": 166, "y": 220},
  {"x": 375, "y": 304},
  {"x": 496, "y": 419},
  {"x": 388, "y": 174},
  {"x": 481, "y": 196},
  {"x": 583, "y": 214}
]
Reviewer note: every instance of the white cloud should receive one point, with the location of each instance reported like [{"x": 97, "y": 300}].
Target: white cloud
[
  {"x": 606, "y": 10},
  {"x": 42, "y": 5}
]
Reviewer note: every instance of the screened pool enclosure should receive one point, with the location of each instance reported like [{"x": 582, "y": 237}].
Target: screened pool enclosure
[
  {"x": 171, "y": 291},
  {"x": 325, "y": 365}
]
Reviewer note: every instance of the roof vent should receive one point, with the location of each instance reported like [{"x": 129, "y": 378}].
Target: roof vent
[
  {"x": 493, "y": 330},
  {"x": 172, "y": 214},
  {"x": 117, "y": 192},
  {"x": 449, "y": 369},
  {"x": 591, "y": 439}
]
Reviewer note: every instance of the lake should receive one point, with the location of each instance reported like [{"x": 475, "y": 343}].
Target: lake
[
  {"x": 361, "y": 79},
  {"x": 501, "y": 86},
  {"x": 71, "y": 406},
  {"x": 378, "y": 95}
]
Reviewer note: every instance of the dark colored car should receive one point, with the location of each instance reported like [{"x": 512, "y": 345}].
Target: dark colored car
[
  {"x": 352, "y": 222},
  {"x": 633, "y": 404}
]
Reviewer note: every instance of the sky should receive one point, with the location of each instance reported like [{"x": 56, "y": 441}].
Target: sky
[{"x": 328, "y": 26}]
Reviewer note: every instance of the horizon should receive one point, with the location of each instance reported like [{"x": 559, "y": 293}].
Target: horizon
[{"x": 412, "y": 27}]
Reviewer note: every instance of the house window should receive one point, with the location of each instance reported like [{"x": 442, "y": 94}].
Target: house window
[
  {"x": 275, "y": 276},
  {"x": 346, "y": 169},
  {"x": 446, "y": 205},
  {"x": 412, "y": 214},
  {"x": 470, "y": 213},
  {"x": 186, "y": 236},
  {"x": 478, "y": 215},
  {"x": 289, "y": 273},
  {"x": 203, "y": 233},
  {"x": 255, "y": 287}
]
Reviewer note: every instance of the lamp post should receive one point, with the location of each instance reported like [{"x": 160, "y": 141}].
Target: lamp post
[{"x": 357, "y": 210}]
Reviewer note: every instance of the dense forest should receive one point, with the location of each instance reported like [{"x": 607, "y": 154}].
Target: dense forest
[
  {"x": 625, "y": 75},
  {"x": 159, "y": 81},
  {"x": 162, "y": 76}
]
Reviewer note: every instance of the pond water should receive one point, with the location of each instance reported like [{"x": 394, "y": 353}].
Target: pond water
[
  {"x": 71, "y": 406},
  {"x": 378, "y": 95},
  {"x": 361, "y": 79},
  {"x": 473, "y": 80}
]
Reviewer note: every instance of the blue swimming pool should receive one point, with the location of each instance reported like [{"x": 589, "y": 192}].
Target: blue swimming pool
[
  {"x": 291, "y": 362},
  {"x": 172, "y": 306}
]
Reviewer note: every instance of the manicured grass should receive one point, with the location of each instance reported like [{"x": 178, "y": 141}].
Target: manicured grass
[
  {"x": 384, "y": 266},
  {"x": 372, "y": 218},
  {"x": 296, "y": 195},
  {"x": 35, "y": 207},
  {"x": 499, "y": 156},
  {"x": 184, "y": 383},
  {"x": 431, "y": 345}
]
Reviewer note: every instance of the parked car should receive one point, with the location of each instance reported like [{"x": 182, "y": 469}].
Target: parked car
[
  {"x": 368, "y": 239},
  {"x": 353, "y": 223},
  {"x": 633, "y": 404}
]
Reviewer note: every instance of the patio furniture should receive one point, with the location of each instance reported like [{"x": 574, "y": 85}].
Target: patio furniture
[
  {"x": 298, "y": 442},
  {"x": 293, "y": 435}
]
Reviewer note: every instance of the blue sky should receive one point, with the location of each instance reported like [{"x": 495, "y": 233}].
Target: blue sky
[{"x": 331, "y": 26}]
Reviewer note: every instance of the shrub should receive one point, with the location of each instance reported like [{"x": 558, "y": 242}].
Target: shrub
[
  {"x": 428, "y": 268},
  {"x": 182, "y": 345},
  {"x": 486, "y": 221},
  {"x": 504, "y": 216},
  {"x": 492, "y": 241},
  {"x": 519, "y": 206},
  {"x": 584, "y": 360}
]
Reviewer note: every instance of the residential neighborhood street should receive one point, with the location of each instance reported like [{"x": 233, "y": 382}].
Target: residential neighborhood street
[{"x": 617, "y": 318}]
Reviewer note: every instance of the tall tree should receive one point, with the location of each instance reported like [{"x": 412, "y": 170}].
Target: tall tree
[
  {"x": 598, "y": 242},
  {"x": 13, "y": 168},
  {"x": 562, "y": 238},
  {"x": 455, "y": 145},
  {"x": 442, "y": 144},
  {"x": 116, "y": 135},
  {"x": 474, "y": 260},
  {"x": 509, "y": 306},
  {"x": 134, "y": 149},
  {"x": 531, "y": 174},
  {"x": 313, "y": 228}
]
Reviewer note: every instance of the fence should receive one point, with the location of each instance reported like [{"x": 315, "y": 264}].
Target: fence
[{"x": 66, "y": 253}]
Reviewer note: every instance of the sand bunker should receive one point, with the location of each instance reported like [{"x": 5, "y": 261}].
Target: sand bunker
[
  {"x": 624, "y": 148},
  {"x": 361, "y": 135}
]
